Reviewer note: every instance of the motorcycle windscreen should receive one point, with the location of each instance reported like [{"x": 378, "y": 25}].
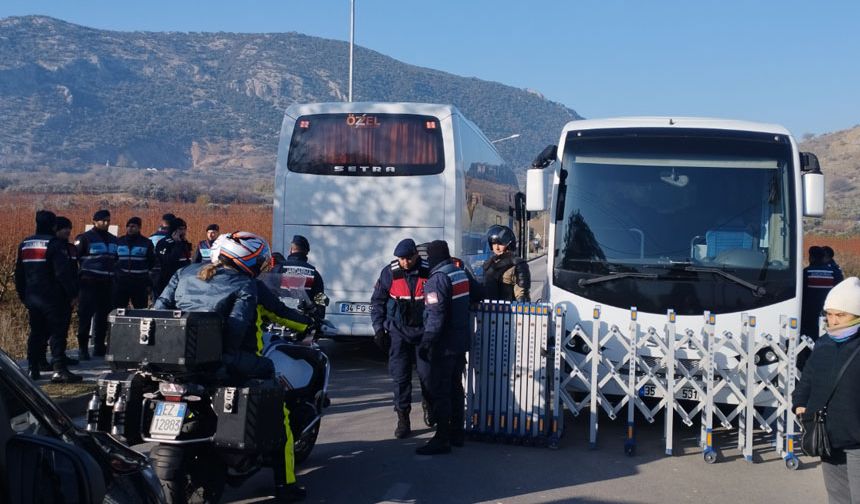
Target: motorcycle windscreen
[{"x": 351, "y": 258}]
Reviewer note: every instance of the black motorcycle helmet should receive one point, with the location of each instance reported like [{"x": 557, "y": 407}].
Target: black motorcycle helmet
[{"x": 503, "y": 235}]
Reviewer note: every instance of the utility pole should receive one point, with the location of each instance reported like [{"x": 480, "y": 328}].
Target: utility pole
[{"x": 351, "y": 42}]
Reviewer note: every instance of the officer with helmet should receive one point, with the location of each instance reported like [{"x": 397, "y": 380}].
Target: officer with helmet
[
  {"x": 228, "y": 286},
  {"x": 397, "y": 311},
  {"x": 506, "y": 276}
]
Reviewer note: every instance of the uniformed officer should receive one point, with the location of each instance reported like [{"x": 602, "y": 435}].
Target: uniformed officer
[
  {"x": 397, "y": 311},
  {"x": 173, "y": 253},
  {"x": 445, "y": 343},
  {"x": 204, "y": 248},
  {"x": 64, "y": 233},
  {"x": 97, "y": 255},
  {"x": 161, "y": 233},
  {"x": 297, "y": 263},
  {"x": 135, "y": 257},
  {"x": 506, "y": 276},
  {"x": 45, "y": 284}
]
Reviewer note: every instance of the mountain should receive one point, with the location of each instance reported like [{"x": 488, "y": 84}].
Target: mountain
[
  {"x": 839, "y": 155},
  {"x": 72, "y": 97}
]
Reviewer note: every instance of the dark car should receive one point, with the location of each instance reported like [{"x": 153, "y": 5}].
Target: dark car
[{"x": 45, "y": 457}]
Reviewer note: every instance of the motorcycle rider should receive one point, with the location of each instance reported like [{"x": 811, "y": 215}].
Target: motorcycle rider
[
  {"x": 297, "y": 263},
  {"x": 97, "y": 255},
  {"x": 135, "y": 257},
  {"x": 506, "y": 276},
  {"x": 46, "y": 285},
  {"x": 227, "y": 286},
  {"x": 445, "y": 343},
  {"x": 397, "y": 307},
  {"x": 204, "y": 248}
]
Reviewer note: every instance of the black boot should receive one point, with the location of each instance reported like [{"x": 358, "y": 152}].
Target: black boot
[
  {"x": 44, "y": 366},
  {"x": 34, "y": 373},
  {"x": 63, "y": 375},
  {"x": 440, "y": 442},
  {"x": 458, "y": 438},
  {"x": 404, "y": 428},
  {"x": 290, "y": 493},
  {"x": 428, "y": 413}
]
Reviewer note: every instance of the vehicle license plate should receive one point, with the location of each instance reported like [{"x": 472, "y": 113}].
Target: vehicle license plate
[
  {"x": 688, "y": 393},
  {"x": 167, "y": 421},
  {"x": 355, "y": 307}
]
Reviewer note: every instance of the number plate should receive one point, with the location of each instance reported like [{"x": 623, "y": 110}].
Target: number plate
[
  {"x": 687, "y": 393},
  {"x": 355, "y": 308},
  {"x": 167, "y": 420}
]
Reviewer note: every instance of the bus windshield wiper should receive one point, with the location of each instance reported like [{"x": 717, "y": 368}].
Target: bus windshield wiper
[
  {"x": 615, "y": 276},
  {"x": 757, "y": 290}
]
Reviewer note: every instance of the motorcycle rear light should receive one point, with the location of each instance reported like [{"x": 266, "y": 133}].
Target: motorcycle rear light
[{"x": 171, "y": 389}]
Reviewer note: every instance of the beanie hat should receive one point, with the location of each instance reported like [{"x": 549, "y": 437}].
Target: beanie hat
[
  {"x": 176, "y": 224},
  {"x": 45, "y": 221},
  {"x": 101, "y": 215},
  {"x": 301, "y": 242},
  {"x": 63, "y": 223},
  {"x": 406, "y": 248},
  {"x": 437, "y": 251},
  {"x": 845, "y": 297},
  {"x": 213, "y": 227},
  {"x": 168, "y": 217},
  {"x": 134, "y": 220}
]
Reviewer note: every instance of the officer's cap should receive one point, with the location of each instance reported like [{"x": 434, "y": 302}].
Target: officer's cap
[
  {"x": 437, "y": 251},
  {"x": 406, "y": 248},
  {"x": 63, "y": 223},
  {"x": 101, "y": 215},
  {"x": 134, "y": 220},
  {"x": 301, "y": 242}
]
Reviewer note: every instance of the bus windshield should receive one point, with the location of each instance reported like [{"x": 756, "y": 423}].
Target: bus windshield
[
  {"x": 678, "y": 206},
  {"x": 367, "y": 145}
]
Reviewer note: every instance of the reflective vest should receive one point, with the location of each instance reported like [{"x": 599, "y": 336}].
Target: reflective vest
[
  {"x": 204, "y": 247},
  {"x": 457, "y": 336},
  {"x": 408, "y": 304},
  {"x": 133, "y": 255},
  {"x": 100, "y": 257}
]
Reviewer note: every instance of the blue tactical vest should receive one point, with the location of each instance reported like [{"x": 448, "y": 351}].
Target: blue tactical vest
[
  {"x": 205, "y": 251},
  {"x": 100, "y": 257},
  {"x": 457, "y": 326},
  {"x": 132, "y": 256}
]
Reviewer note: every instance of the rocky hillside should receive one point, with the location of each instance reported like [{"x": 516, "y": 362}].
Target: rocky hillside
[{"x": 72, "y": 96}]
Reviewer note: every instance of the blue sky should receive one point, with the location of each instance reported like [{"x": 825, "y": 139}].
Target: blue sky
[{"x": 790, "y": 62}]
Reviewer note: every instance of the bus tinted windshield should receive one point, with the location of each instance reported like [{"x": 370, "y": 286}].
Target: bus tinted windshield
[
  {"x": 677, "y": 206},
  {"x": 367, "y": 145}
]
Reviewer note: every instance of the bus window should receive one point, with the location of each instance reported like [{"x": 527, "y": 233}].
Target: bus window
[{"x": 367, "y": 145}]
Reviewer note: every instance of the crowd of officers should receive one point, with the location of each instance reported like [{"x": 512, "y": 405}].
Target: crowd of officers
[
  {"x": 420, "y": 313},
  {"x": 97, "y": 273}
]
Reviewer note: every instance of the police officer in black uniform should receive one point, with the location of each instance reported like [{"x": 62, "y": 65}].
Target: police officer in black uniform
[
  {"x": 397, "y": 311},
  {"x": 298, "y": 262},
  {"x": 46, "y": 285},
  {"x": 173, "y": 253},
  {"x": 97, "y": 255},
  {"x": 135, "y": 257},
  {"x": 204, "y": 248},
  {"x": 64, "y": 233},
  {"x": 161, "y": 233},
  {"x": 506, "y": 276},
  {"x": 445, "y": 343}
]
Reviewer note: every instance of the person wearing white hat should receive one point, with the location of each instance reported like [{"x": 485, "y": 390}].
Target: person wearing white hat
[{"x": 821, "y": 387}]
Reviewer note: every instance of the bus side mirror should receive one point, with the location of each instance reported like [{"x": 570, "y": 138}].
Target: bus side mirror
[
  {"x": 535, "y": 193},
  {"x": 813, "y": 185}
]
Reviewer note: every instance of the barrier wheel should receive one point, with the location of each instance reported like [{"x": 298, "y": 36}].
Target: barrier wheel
[
  {"x": 710, "y": 456},
  {"x": 792, "y": 463}
]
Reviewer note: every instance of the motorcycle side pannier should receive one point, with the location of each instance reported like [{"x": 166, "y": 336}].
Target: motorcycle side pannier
[
  {"x": 131, "y": 387},
  {"x": 164, "y": 340},
  {"x": 250, "y": 418}
]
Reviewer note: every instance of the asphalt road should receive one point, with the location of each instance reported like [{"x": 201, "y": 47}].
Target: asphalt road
[{"x": 357, "y": 459}]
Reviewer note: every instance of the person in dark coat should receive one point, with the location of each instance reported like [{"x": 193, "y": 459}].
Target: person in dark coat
[
  {"x": 830, "y": 262},
  {"x": 445, "y": 343},
  {"x": 297, "y": 264},
  {"x": 204, "y": 248},
  {"x": 64, "y": 233},
  {"x": 818, "y": 279},
  {"x": 46, "y": 285},
  {"x": 161, "y": 233},
  {"x": 97, "y": 253},
  {"x": 173, "y": 253},
  {"x": 506, "y": 276},
  {"x": 397, "y": 314},
  {"x": 135, "y": 258},
  {"x": 841, "y": 470}
]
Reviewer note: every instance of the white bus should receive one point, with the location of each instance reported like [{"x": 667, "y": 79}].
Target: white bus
[
  {"x": 356, "y": 178},
  {"x": 686, "y": 214}
]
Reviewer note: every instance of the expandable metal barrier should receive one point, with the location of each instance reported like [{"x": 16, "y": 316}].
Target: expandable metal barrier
[{"x": 519, "y": 380}]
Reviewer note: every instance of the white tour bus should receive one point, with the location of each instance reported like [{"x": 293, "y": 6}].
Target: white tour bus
[
  {"x": 356, "y": 178},
  {"x": 686, "y": 214}
]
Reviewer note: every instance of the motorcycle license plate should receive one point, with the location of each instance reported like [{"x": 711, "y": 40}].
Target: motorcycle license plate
[
  {"x": 355, "y": 307},
  {"x": 167, "y": 420}
]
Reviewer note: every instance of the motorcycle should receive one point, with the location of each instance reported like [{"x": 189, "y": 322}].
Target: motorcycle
[{"x": 209, "y": 432}]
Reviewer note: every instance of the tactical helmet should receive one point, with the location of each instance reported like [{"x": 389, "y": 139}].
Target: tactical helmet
[
  {"x": 503, "y": 235},
  {"x": 250, "y": 253}
]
